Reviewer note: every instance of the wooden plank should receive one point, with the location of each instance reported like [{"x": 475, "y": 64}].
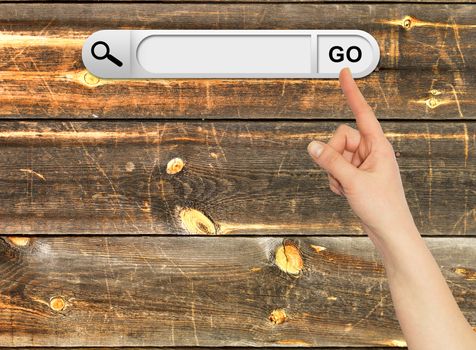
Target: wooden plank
[
  {"x": 205, "y": 348},
  {"x": 199, "y": 291},
  {"x": 279, "y": 1},
  {"x": 216, "y": 178},
  {"x": 410, "y": 36},
  {"x": 431, "y": 47},
  {"x": 392, "y": 94}
]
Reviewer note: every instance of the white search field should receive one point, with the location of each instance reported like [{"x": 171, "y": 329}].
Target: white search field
[
  {"x": 229, "y": 54},
  {"x": 226, "y": 54}
]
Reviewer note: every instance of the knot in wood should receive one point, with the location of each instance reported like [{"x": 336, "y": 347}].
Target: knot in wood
[
  {"x": 288, "y": 258},
  {"x": 90, "y": 79},
  {"x": 432, "y": 102},
  {"x": 174, "y": 166},
  {"x": 278, "y": 316},
  {"x": 19, "y": 241},
  {"x": 57, "y": 303},
  {"x": 407, "y": 23},
  {"x": 130, "y": 166},
  {"x": 195, "y": 222},
  {"x": 468, "y": 274}
]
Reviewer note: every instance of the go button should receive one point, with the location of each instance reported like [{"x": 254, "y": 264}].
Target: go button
[{"x": 148, "y": 54}]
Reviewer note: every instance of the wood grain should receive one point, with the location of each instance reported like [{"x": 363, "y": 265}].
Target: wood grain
[
  {"x": 409, "y": 35},
  {"x": 200, "y": 291},
  {"x": 271, "y": 1},
  {"x": 392, "y": 95},
  {"x": 204, "y": 348},
  {"x": 426, "y": 69},
  {"x": 209, "y": 348},
  {"x": 216, "y": 178}
]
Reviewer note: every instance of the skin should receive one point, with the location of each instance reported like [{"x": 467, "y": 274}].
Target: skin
[{"x": 362, "y": 167}]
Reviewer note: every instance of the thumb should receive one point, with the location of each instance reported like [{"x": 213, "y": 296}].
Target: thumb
[{"x": 332, "y": 161}]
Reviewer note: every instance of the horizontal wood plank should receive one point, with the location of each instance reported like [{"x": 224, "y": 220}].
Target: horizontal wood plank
[
  {"x": 204, "y": 348},
  {"x": 392, "y": 95},
  {"x": 200, "y": 291},
  {"x": 216, "y": 178},
  {"x": 410, "y": 36},
  {"x": 268, "y": 1},
  {"x": 426, "y": 69}
]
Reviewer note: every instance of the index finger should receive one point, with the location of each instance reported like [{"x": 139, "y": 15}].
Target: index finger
[{"x": 367, "y": 123}]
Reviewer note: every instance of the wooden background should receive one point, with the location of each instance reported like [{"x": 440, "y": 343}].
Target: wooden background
[{"x": 186, "y": 213}]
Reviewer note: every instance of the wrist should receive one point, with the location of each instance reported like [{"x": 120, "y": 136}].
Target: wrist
[{"x": 391, "y": 241}]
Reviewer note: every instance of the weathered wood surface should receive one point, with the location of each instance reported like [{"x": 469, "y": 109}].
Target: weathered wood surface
[
  {"x": 273, "y": 1},
  {"x": 426, "y": 70},
  {"x": 392, "y": 95},
  {"x": 410, "y": 36},
  {"x": 154, "y": 291},
  {"x": 205, "y": 348},
  {"x": 216, "y": 178}
]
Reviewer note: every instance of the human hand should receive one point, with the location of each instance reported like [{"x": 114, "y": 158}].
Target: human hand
[{"x": 361, "y": 166}]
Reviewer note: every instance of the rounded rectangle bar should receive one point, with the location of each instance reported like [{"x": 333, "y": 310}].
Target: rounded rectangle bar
[
  {"x": 146, "y": 54},
  {"x": 225, "y": 54}
]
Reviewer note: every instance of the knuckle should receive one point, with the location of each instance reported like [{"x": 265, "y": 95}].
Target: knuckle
[
  {"x": 332, "y": 156},
  {"x": 351, "y": 183},
  {"x": 328, "y": 156},
  {"x": 333, "y": 183},
  {"x": 341, "y": 128},
  {"x": 335, "y": 190}
]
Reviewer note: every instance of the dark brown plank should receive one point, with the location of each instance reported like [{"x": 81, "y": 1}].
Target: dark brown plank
[
  {"x": 205, "y": 348},
  {"x": 275, "y": 1},
  {"x": 237, "y": 178},
  {"x": 431, "y": 47},
  {"x": 141, "y": 291},
  {"x": 409, "y": 35},
  {"x": 392, "y": 94}
]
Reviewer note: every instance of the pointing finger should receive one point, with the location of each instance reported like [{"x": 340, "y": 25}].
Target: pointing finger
[{"x": 367, "y": 123}]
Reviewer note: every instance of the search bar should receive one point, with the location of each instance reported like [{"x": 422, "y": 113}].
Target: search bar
[
  {"x": 225, "y": 54},
  {"x": 137, "y": 54}
]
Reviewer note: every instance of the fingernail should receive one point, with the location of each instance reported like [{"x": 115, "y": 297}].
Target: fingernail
[{"x": 315, "y": 148}]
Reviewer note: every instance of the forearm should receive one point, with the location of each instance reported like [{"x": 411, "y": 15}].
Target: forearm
[
  {"x": 362, "y": 166},
  {"x": 425, "y": 307}
]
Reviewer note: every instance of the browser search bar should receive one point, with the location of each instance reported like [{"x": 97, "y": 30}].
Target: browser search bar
[
  {"x": 136, "y": 54},
  {"x": 224, "y": 54}
]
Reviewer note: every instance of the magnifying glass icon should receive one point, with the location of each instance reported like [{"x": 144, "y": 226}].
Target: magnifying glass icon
[{"x": 104, "y": 53}]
